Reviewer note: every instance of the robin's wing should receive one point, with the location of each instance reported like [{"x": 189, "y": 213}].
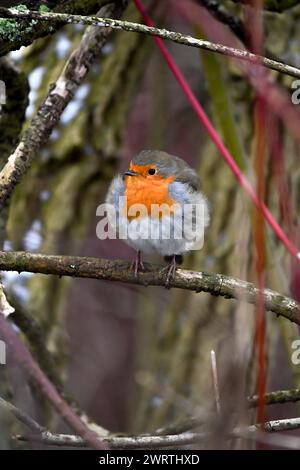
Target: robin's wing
[
  {"x": 186, "y": 174},
  {"x": 115, "y": 191},
  {"x": 194, "y": 210},
  {"x": 114, "y": 202}
]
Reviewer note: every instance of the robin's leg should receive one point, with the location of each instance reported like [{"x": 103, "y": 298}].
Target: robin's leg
[
  {"x": 174, "y": 261},
  {"x": 137, "y": 264}
]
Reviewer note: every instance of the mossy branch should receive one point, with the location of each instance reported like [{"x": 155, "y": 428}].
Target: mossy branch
[
  {"x": 277, "y": 397},
  {"x": 162, "y": 33},
  {"x": 15, "y": 34},
  {"x": 117, "y": 270}
]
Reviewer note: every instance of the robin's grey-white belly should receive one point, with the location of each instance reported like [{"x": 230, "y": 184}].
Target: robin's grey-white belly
[{"x": 165, "y": 235}]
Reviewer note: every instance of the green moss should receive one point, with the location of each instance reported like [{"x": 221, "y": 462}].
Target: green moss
[
  {"x": 44, "y": 9},
  {"x": 12, "y": 31},
  {"x": 14, "y": 34},
  {"x": 21, "y": 8},
  {"x": 8, "y": 29}
]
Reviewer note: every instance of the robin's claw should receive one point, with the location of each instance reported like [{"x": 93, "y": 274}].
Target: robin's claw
[
  {"x": 171, "y": 269},
  {"x": 137, "y": 264},
  {"x": 170, "y": 274}
]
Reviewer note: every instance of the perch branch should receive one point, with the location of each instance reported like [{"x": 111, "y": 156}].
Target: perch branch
[
  {"x": 117, "y": 270},
  {"x": 162, "y": 33}
]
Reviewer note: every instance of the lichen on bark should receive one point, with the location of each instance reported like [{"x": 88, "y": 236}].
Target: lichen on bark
[{"x": 15, "y": 33}]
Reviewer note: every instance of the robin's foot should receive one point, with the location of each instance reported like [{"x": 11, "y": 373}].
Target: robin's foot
[
  {"x": 137, "y": 264},
  {"x": 173, "y": 261}
]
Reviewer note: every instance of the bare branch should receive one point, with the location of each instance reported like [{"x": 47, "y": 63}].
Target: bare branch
[
  {"x": 282, "y": 425},
  {"x": 280, "y": 396},
  {"x": 117, "y": 270},
  {"x": 21, "y": 416},
  {"x": 162, "y": 33},
  {"x": 215, "y": 380},
  {"x": 174, "y": 440},
  {"x": 128, "y": 442}
]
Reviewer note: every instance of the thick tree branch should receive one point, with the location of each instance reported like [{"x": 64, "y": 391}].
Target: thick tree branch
[
  {"x": 117, "y": 270},
  {"x": 59, "y": 96},
  {"x": 162, "y": 33}
]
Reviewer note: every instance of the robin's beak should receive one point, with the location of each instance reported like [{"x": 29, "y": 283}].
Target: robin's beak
[{"x": 130, "y": 173}]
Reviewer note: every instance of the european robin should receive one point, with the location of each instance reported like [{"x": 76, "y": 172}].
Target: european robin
[{"x": 159, "y": 207}]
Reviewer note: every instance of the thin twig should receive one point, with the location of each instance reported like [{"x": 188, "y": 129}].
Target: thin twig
[
  {"x": 215, "y": 380},
  {"x": 174, "y": 440},
  {"x": 162, "y": 33},
  {"x": 126, "y": 442},
  {"x": 278, "y": 397},
  {"x": 281, "y": 425},
  {"x": 21, "y": 416},
  {"x": 117, "y": 270}
]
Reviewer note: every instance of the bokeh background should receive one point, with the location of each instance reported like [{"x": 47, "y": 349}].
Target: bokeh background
[{"x": 136, "y": 359}]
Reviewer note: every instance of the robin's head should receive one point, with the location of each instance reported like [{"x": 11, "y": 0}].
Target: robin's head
[{"x": 156, "y": 165}]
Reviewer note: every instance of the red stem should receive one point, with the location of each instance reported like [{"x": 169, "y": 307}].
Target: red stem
[{"x": 240, "y": 177}]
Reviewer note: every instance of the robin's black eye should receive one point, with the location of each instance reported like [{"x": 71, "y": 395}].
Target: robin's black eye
[{"x": 151, "y": 171}]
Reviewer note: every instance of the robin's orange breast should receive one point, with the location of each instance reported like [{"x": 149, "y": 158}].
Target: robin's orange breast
[{"x": 148, "y": 191}]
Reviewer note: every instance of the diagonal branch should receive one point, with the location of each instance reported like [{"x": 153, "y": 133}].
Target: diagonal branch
[
  {"x": 25, "y": 359},
  {"x": 21, "y": 416},
  {"x": 117, "y": 270},
  {"x": 162, "y": 33},
  {"x": 59, "y": 96}
]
